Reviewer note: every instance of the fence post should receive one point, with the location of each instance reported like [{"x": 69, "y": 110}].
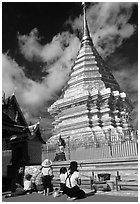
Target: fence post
[
  {"x": 136, "y": 140},
  {"x": 47, "y": 150},
  {"x": 68, "y": 147},
  {"x": 109, "y": 143}
]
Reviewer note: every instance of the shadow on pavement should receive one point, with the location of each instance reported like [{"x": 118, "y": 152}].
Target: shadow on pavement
[{"x": 90, "y": 194}]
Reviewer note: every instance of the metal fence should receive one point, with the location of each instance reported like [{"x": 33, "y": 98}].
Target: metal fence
[{"x": 127, "y": 147}]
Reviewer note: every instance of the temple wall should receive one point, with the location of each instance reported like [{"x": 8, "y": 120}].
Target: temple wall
[
  {"x": 34, "y": 152},
  {"x": 6, "y": 158}
]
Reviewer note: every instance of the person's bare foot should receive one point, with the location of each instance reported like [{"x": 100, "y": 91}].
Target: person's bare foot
[
  {"x": 73, "y": 198},
  {"x": 8, "y": 195}
]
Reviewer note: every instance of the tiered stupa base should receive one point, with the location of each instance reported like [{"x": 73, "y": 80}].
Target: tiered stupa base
[{"x": 91, "y": 118}]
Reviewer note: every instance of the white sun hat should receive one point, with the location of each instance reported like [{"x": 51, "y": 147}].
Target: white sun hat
[{"x": 46, "y": 163}]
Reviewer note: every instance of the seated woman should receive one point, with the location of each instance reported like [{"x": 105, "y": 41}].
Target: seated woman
[
  {"x": 28, "y": 186},
  {"x": 72, "y": 178}
]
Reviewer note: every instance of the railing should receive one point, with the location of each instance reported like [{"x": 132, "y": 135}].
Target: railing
[{"x": 110, "y": 148}]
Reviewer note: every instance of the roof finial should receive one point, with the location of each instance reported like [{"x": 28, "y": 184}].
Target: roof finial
[
  {"x": 14, "y": 91},
  {"x": 86, "y": 34}
]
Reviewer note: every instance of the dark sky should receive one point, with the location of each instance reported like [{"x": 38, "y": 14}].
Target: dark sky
[
  {"x": 48, "y": 17},
  {"x": 29, "y": 64}
]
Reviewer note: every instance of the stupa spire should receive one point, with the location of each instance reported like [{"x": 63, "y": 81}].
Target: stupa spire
[{"x": 86, "y": 34}]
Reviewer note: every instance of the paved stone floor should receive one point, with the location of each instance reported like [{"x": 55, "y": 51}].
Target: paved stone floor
[{"x": 113, "y": 196}]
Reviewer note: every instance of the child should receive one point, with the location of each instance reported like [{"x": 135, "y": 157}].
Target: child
[
  {"x": 47, "y": 172},
  {"x": 28, "y": 184},
  {"x": 63, "y": 170}
]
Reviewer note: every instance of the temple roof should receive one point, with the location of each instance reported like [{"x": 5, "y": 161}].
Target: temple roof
[
  {"x": 11, "y": 108},
  {"x": 35, "y": 132},
  {"x": 13, "y": 121},
  {"x": 14, "y": 124}
]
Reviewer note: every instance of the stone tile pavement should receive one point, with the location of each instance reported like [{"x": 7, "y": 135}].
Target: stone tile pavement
[
  {"x": 119, "y": 193},
  {"x": 130, "y": 193},
  {"x": 98, "y": 197}
]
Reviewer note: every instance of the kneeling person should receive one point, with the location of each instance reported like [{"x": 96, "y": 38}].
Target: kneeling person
[{"x": 72, "y": 178}]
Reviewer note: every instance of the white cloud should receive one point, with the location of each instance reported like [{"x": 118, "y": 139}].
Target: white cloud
[
  {"x": 28, "y": 91},
  {"x": 31, "y": 93},
  {"x": 12, "y": 75},
  {"x": 59, "y": 55},
  {"x": 31, "y": 48}
]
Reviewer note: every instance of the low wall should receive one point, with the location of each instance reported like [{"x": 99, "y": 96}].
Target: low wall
[{"x": 126, "y": 167}]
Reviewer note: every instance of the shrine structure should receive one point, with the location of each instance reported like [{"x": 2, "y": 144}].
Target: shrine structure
[
  {"x": 21, "y": 143},
  {"x": 92, "y": 102}
]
